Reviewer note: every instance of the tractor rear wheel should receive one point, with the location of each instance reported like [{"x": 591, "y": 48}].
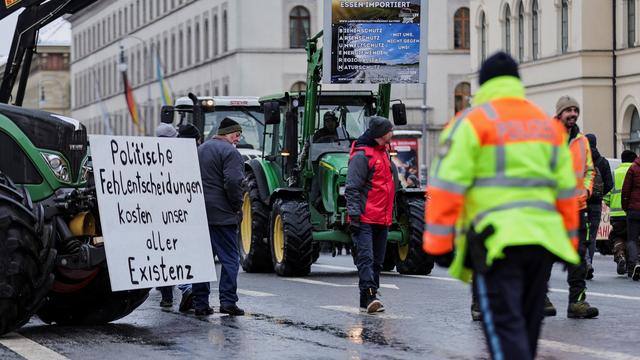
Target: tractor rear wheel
[
  {"x": 254, "y": 250},
  {"x": 26, "y": 256},
  {"x": 411, "y": 259},
  {"x": 93, "y": 303},
  {"x": 291, "y": 239}
]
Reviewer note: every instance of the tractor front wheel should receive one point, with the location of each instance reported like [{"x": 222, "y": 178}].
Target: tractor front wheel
[{"x": 291, "y": 239}]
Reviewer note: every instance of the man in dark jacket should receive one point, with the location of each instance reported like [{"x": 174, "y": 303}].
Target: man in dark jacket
[
  {"x": 328, "y": 132},
  {"x": 369, "y": 192},
  {"x": 631, "y": 205},
  {"x": 221, "y": 167},
  {"x": 595, "y": 202}
]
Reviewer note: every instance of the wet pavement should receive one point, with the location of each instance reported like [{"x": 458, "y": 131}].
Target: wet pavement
[{"x": 317, "y": 317}]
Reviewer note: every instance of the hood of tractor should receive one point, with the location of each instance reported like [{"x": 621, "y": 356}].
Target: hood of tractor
[{"x": 336, "y": 163}]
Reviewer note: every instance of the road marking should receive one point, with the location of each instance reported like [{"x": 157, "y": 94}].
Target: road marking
[
  {"x": 609, "y": 355},
  {"x": 389, "y": 286},
  {"x": 254, "y": 293},
  {"x": 591, "y": 293},
  {"x": 316, "y": 282},
  {"x": 431, "y": 277},
  {"x": 356, "y": 311},
  {"x": 334, "y": 267},
  {"x": 29, "y": 349}
]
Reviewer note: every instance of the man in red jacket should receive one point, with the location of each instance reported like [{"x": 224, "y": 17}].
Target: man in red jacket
[
  {"x": 631, "y": 205},
  {"x": 369, "y": 192}
]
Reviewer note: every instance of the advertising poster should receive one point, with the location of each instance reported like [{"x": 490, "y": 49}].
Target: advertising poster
[
  {"x": 372, "y": 42},
  {"x": 405, "y": 157},
  {"x": 151, "y": 202}
]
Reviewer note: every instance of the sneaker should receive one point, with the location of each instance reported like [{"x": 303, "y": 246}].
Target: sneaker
[
  {"x": 635, "y": 275},
  {"x": 549, "y": 309},
  {"x": 476, "y": 314},
  {"x": 204, "y": 311},
  {"x": 369, "y": 303},
  {"x": 589, "y": 272},
  {"x": 621, "y": 268},
  {"x": 581, "y": 310},
  {"x": 232, "y": 310},
  {"x": 186, "y": 303},
  {"x": 381, "y": 308},
  {"x": 166, "y": 303}
]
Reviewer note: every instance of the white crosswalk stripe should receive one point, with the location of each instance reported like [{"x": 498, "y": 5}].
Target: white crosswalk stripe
[
  {"x": 356, "y": 311},
  {"x": 28, "y": 348}
]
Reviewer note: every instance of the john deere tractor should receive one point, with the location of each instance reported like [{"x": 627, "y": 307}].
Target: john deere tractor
[{"x": 294, "y": 194}]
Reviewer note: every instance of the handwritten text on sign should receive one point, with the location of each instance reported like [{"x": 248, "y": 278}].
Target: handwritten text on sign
[{"x": 152, "y": 211}]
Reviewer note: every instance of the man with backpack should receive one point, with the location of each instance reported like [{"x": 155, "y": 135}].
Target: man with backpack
[{"x": 602, "y": 184}]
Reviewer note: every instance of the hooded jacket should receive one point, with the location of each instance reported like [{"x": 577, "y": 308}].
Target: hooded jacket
[
  {"x": 370, "y": 188},
  {"x": 631, "y": 188}
]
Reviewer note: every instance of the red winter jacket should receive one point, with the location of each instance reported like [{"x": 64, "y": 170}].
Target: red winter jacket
[
  {"x": 370, "y": 189},
  {"x": 631, "y": 188}
]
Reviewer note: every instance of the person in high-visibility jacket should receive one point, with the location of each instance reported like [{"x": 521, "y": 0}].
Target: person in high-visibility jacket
[
  {"x": 502, "y": 206},
  {"x": 617, "y": 216},
  {"x": 567, "y": 112}
]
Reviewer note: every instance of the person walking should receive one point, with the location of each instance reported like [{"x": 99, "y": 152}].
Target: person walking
[
  {"x": 617, "y": 216},
  {"x": 602, "y": 184},
  {"x": 369, "y": 192},
  {"x": 503, "y": 182},
  {"x": 631, "y": 205},
  {"x": 221, "y": 168}
]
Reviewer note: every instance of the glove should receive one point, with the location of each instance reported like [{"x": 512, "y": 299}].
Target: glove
[
  {"x": 354, "y": 225},
  {"x": 444, "y": 260}
]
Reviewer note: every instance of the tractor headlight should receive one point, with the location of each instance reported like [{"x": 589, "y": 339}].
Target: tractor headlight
[
  {"x": 58, "y": 165},
  {"x": 86, "y": 170}
]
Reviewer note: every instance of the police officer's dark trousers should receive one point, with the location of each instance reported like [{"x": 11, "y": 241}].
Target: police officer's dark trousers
[
  {"x": 224, "y": 241},
  {"x": 511, "y": 296},
  {"x": 577, "y": 274},
  {"x": 371, "y": 244}
]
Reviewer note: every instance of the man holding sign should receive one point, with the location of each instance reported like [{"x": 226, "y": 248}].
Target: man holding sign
[{"x": 221, "y": 166}]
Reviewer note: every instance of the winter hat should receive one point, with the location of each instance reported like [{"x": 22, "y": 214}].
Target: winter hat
[
  {"x": 593, "y": 142},
  {"x": 166, "y": 130},
  {"x": 228, "y": 126},
  {"x": 188, "y": 131},
  {"x": 628, "y": 156},
  {"x": 566, "y": 102},
  {"x": 498, "y": 64},
  {"x": 379, "y": 126}
]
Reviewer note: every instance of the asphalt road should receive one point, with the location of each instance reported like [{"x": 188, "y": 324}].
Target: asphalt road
[{"x": 317, "y": 317}]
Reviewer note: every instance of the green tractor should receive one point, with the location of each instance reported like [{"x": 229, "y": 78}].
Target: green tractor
[{"x": 294, "y": 194}]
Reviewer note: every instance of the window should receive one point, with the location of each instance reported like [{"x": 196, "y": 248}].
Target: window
[
  {"x": 225, "y": 90},
  {"x": 462, "y": 94},
  {"x": 180, "y": 50},
  {"x": 535, "y": 28},
  {"x": 299, "y": 86},
  {"x": 299, "y": 27},
  {"x": 189, "y": 45},
  {"x": 634, "y": 140},
  {"x": 225, "y": 32},
  {"x": 520, "y": 32},
  {"x": 564, "y": 33},
  {"x": 631, "y": 23},
  {"x": 507, "y": 29},
  {"x": 173, "y": 52},
  {"x": 215, "y": 35},
  {"x": 206, "y": 38},
  {"x": 461, "y": 29},
  {"x": 164, "y": 61},
  {"x": 197, "y": 42},
  {"x": 483, "y": 36}
]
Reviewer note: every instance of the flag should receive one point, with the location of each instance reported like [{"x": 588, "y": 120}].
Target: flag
[
  {"x": 164, "y": 87},
  {"x": 131, "y": 103}
]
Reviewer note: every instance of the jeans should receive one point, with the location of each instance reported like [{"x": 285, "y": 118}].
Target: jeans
[
  {"x": 371, "y": 244},
  {"x": 511, "y": 298},
  {"x": 224, "y": 241},
  {"x": 633, "y": 230},
  {"x": 576, "y": 274},
  {"x": 595, "y": 214}
]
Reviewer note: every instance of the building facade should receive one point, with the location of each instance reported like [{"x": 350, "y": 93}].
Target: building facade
[
  {"x": 566, "y": 47},
  {"x": 234, "y": 47}
]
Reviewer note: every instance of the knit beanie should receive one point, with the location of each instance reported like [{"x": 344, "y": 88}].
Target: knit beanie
[
  {"x": 228, "y": 126},
  {"x": 628, "y": 156},
  {"x": 166, "y": 130},
  {"x": 188, "y": 131},
  {"x": 566, "y": 102},
  {"x": 379, "y": 126},
  {"x": 498, "y": 64}
]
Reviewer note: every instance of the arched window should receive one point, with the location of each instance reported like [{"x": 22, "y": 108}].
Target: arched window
[
  {"x": 299, "y": 26},
  {"x": 461, "y": 29},
  {"x": 564, "y": 31},
  {"x": 535, "y": 28},
  {"x": 520, "y": 32},
  {"x": 462, "y": 95},
  {"x": 507, "y": 29},
  {"x": 631, "y": 23},
  {"x": 483, "y": 36},
  {"x": 634, "y": 140},
  {"x": 299, "y": 86},
  {"x": 225, "y": 32}
]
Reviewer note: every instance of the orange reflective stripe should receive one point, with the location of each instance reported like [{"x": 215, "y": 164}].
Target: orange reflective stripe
[
  {"x": 568, "y": 209},
  {"x": 444, "y": 207},
  {"x": 437, "y": 244}
]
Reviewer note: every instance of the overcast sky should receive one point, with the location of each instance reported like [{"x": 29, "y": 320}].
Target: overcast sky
[{"x": 58, "y": 30}]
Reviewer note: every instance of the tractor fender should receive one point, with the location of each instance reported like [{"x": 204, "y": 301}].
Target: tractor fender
[
  {"x": 286, "y": 193},
  {"x": 255, "y": 167}
]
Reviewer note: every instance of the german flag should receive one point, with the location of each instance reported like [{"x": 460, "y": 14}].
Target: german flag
[{"x": 131, "y": 103}]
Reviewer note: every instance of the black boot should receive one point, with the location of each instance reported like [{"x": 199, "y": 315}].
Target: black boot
[{"x": 368, "y": 301}]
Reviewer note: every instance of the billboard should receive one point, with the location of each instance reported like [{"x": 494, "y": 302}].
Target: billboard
[{"x": 372, "y": 42}]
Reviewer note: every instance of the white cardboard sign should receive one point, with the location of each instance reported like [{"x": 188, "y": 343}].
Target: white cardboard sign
[{"x": 151, "y": 202}]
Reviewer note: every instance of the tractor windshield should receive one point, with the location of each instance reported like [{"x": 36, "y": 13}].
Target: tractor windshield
[{"x": 351, "y": 122}]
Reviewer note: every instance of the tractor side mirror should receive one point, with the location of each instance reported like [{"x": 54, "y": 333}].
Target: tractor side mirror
[
  {"x": 271, "y": 112},
  {"x": 166, "y": 114},
  {"x": 399, "y": 114}
]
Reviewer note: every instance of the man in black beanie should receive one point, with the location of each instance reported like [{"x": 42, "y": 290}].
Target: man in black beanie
[
  {"x": 498, "y": 213},
  {"x": 370, "y": 191},
  {"x": 222, "y": 171}
]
